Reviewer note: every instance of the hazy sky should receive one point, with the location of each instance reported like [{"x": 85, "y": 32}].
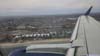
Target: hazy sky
[{"x": 40, "y": 7}]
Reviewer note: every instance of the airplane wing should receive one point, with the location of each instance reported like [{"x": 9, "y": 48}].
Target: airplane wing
[{"x": 87, "y": 35}]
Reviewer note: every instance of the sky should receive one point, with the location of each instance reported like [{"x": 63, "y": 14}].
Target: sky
[{"x": 46, "y": 7}]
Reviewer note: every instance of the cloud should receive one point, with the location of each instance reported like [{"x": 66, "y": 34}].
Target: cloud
[
  {"x": 45, "y": 6},
  {"x": 28, "y": 4}
]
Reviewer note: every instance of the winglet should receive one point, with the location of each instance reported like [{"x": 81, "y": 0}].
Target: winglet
[{"x": 89, "y": 10}]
